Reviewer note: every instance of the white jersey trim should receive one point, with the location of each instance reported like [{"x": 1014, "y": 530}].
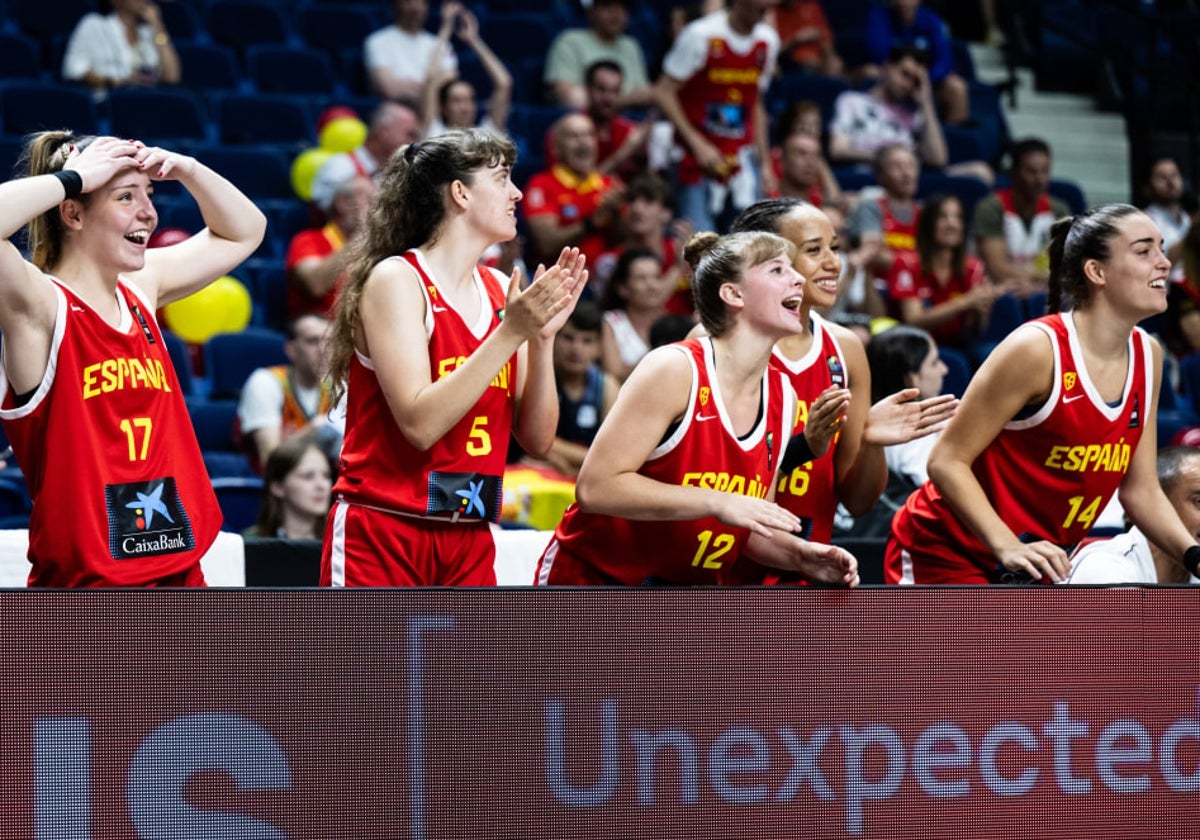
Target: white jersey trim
[{"x": 43, "y": 388}]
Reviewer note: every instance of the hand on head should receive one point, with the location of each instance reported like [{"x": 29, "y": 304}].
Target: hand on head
[{"x": 101, "y": 159}]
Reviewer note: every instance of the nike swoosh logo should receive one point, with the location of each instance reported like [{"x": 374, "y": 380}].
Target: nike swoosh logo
[
  {"x": 75, "y": 308},
  {"x": 702, "y": 417},
  {"x": 439, "y": 309},
  {"x": 1072, "y": 399}
]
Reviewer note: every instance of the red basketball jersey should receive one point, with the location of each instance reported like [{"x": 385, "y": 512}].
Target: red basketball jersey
[
  {"x": 1047, "y": 475},
  {"x": 701, "y": 451},
  {"x": 460, "y": 475},
  {"x": 809, "y": 490},
  {"x": 720, "y": 99},
  {"x": 120, "y": 493}
]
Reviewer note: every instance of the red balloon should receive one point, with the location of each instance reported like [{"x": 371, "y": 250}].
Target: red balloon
[
  {"x": 1189, "y": 436},
  {"x": 334, "y": 112},
  {"x": 167, "y": 236}
]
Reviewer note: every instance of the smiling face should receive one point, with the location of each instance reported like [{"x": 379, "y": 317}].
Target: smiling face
[
  {"x": 1135, "y": 274},
  {"x": 948, "y": 231},
  {"x": 773, "y": 295},
  {"x": 575, "y": 143},
  {"x": 115, "y": 222},
  {"x": 817, "y": 253}
]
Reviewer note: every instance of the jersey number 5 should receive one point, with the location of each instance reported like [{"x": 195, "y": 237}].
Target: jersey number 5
[{"x": 479, "y": 442}]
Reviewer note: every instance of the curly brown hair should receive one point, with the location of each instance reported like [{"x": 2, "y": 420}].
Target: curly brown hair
[{"x": 408, "y": 211}]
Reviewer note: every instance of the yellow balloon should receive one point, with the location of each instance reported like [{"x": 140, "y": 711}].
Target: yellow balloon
[
  {"x": 223, "y": 305},
  {"x": 345, "y": 134},
  {"x": 304, "y": 169},
  {"x": 882, "y": 323}
]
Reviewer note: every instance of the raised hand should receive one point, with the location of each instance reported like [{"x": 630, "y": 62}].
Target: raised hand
[
  {"x": 103, "y": 158},
  {"x": 162, "y": 165},
  {"x": 543, "y": 307},
  {"x": 901, "y": 417},
  {"x": 825, "y": 418}
]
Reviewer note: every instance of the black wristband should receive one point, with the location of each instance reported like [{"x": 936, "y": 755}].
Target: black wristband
[
  {"x": 71, "y": 180},
  {"x": 1191, "y": 559},
  {"x": 798, "y": 452}
]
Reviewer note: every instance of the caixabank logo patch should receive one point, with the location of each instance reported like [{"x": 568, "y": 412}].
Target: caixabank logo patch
[{"x": 145, "y": 519}]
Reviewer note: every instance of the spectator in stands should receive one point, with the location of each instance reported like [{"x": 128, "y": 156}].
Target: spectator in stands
[
  {"x": 803, "y": 172},
  {"x": 1131, "y": 557},
  {"x": 297, "y": 485},
  {"x": 1163, "y": 187},
  {"x": 573, "y": 51},
  {"x": 805, "y": 38},
  {"x": 316, "y": 257},
  {"x": 124, "y": 44},
  {"x": 899, "y": 108},
  {"x": 572, "y": 203},
  {"x": 907, "y": 23},
  {"x": 280, "y": 401},
  {"x": 1183, "y": 310},
  {"x": 392, "y": 125},
  {"x": 108, "y": 450},
  {"x": 712, "y": 87},
  {"x": 636, "y": 296},
  {"x": 1012, "y": 226},
  {"x": 620, "y": 142},
  {"x": 940, "y": 287},
  {"x": 710, "y": 406},
  {"x": 397, "y": 57},
  {"x": 1007, "y": 494},
  {"x": 646, "y": 224},
  {"x": 906, "y": 357},
  {"x": 448, "y": 101},
  {"x": 885, "y": 225},
  {"x": 434, "y": 378},
  {"x": 585, "y": 391}
]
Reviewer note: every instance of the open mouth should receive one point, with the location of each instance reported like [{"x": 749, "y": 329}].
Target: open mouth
[
  {"x": 1158, "y": 283},
  {"x": 793, "y": 303},
  {"x": 138, "y": 237}
]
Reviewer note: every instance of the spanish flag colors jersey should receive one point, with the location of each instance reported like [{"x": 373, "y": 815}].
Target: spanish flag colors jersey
[
  {"x": 120, "y": 493},
  {"x": 459, "y": 476},
  {"x": 701, "y": 451},
  {"x": 1047, "y": 475},
  {"x": 809, "y": 490}
]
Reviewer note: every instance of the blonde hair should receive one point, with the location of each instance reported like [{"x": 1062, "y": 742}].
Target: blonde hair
[
  {"x": 46, "y": 152},
  {"x": 717, "y": 260}
]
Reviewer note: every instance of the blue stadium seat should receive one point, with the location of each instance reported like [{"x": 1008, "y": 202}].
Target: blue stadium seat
[
  {"x": 230, "y": 358},
  {"x": 14, "y": 497},
  {"x": 795, "y": 86},
  {"x": 1007, "y": 314},
  {"x": 334, "y": 28},
  {"x": 213, "y": 422},
  {"x": 181, "y": 20},
  {"x": 181, "y": 360},
  {"x": 154, "y": 114},
  {"x": 958, "y": 371},
  {"x": 261, "y": 118},
  {"x": 276, "y": 68},
  {"x": 20, "y": 57},
  {"x": 239, "y": 499},
  {"x": 242, "y": 23},
  {"x": 1035, "y": 305},
  {"x": 963, "y": 144},
  {"x": 511, "y": 34},
  {"x": 1069, "y": 193},
  {"x": 48, "y": 20},
  {"x": 208, "y": 68},
  {"x": 269, "y": 293},
  {"x": 258, "y": 172},
  {"x": 10, "y": 153},
  {"x": 227, "y": 465},
  {"x": 25, "y": 108}
]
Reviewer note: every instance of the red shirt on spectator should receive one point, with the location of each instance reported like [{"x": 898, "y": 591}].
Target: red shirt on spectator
[{"x": 317, "y": 242}]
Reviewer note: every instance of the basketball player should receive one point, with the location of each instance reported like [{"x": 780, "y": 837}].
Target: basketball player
[
  {"x": 1061, "y": 415},
  {"x": 823, "y": 356},
  {"x": 438, "y": 362},
  {"x": 680, "y": 479},
  {"x": 91, "y": 402}
]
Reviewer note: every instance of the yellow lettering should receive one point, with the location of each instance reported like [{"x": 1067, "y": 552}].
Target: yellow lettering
[
  {"x": 690, "y": 479},
  {"x": 89, "y": 381},
  {"x": 737, "y": 484},
  {"x": 1054, "y": 459},
  {"x": 137, "y": 373},
  {"x": 108, "y": 369}
]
